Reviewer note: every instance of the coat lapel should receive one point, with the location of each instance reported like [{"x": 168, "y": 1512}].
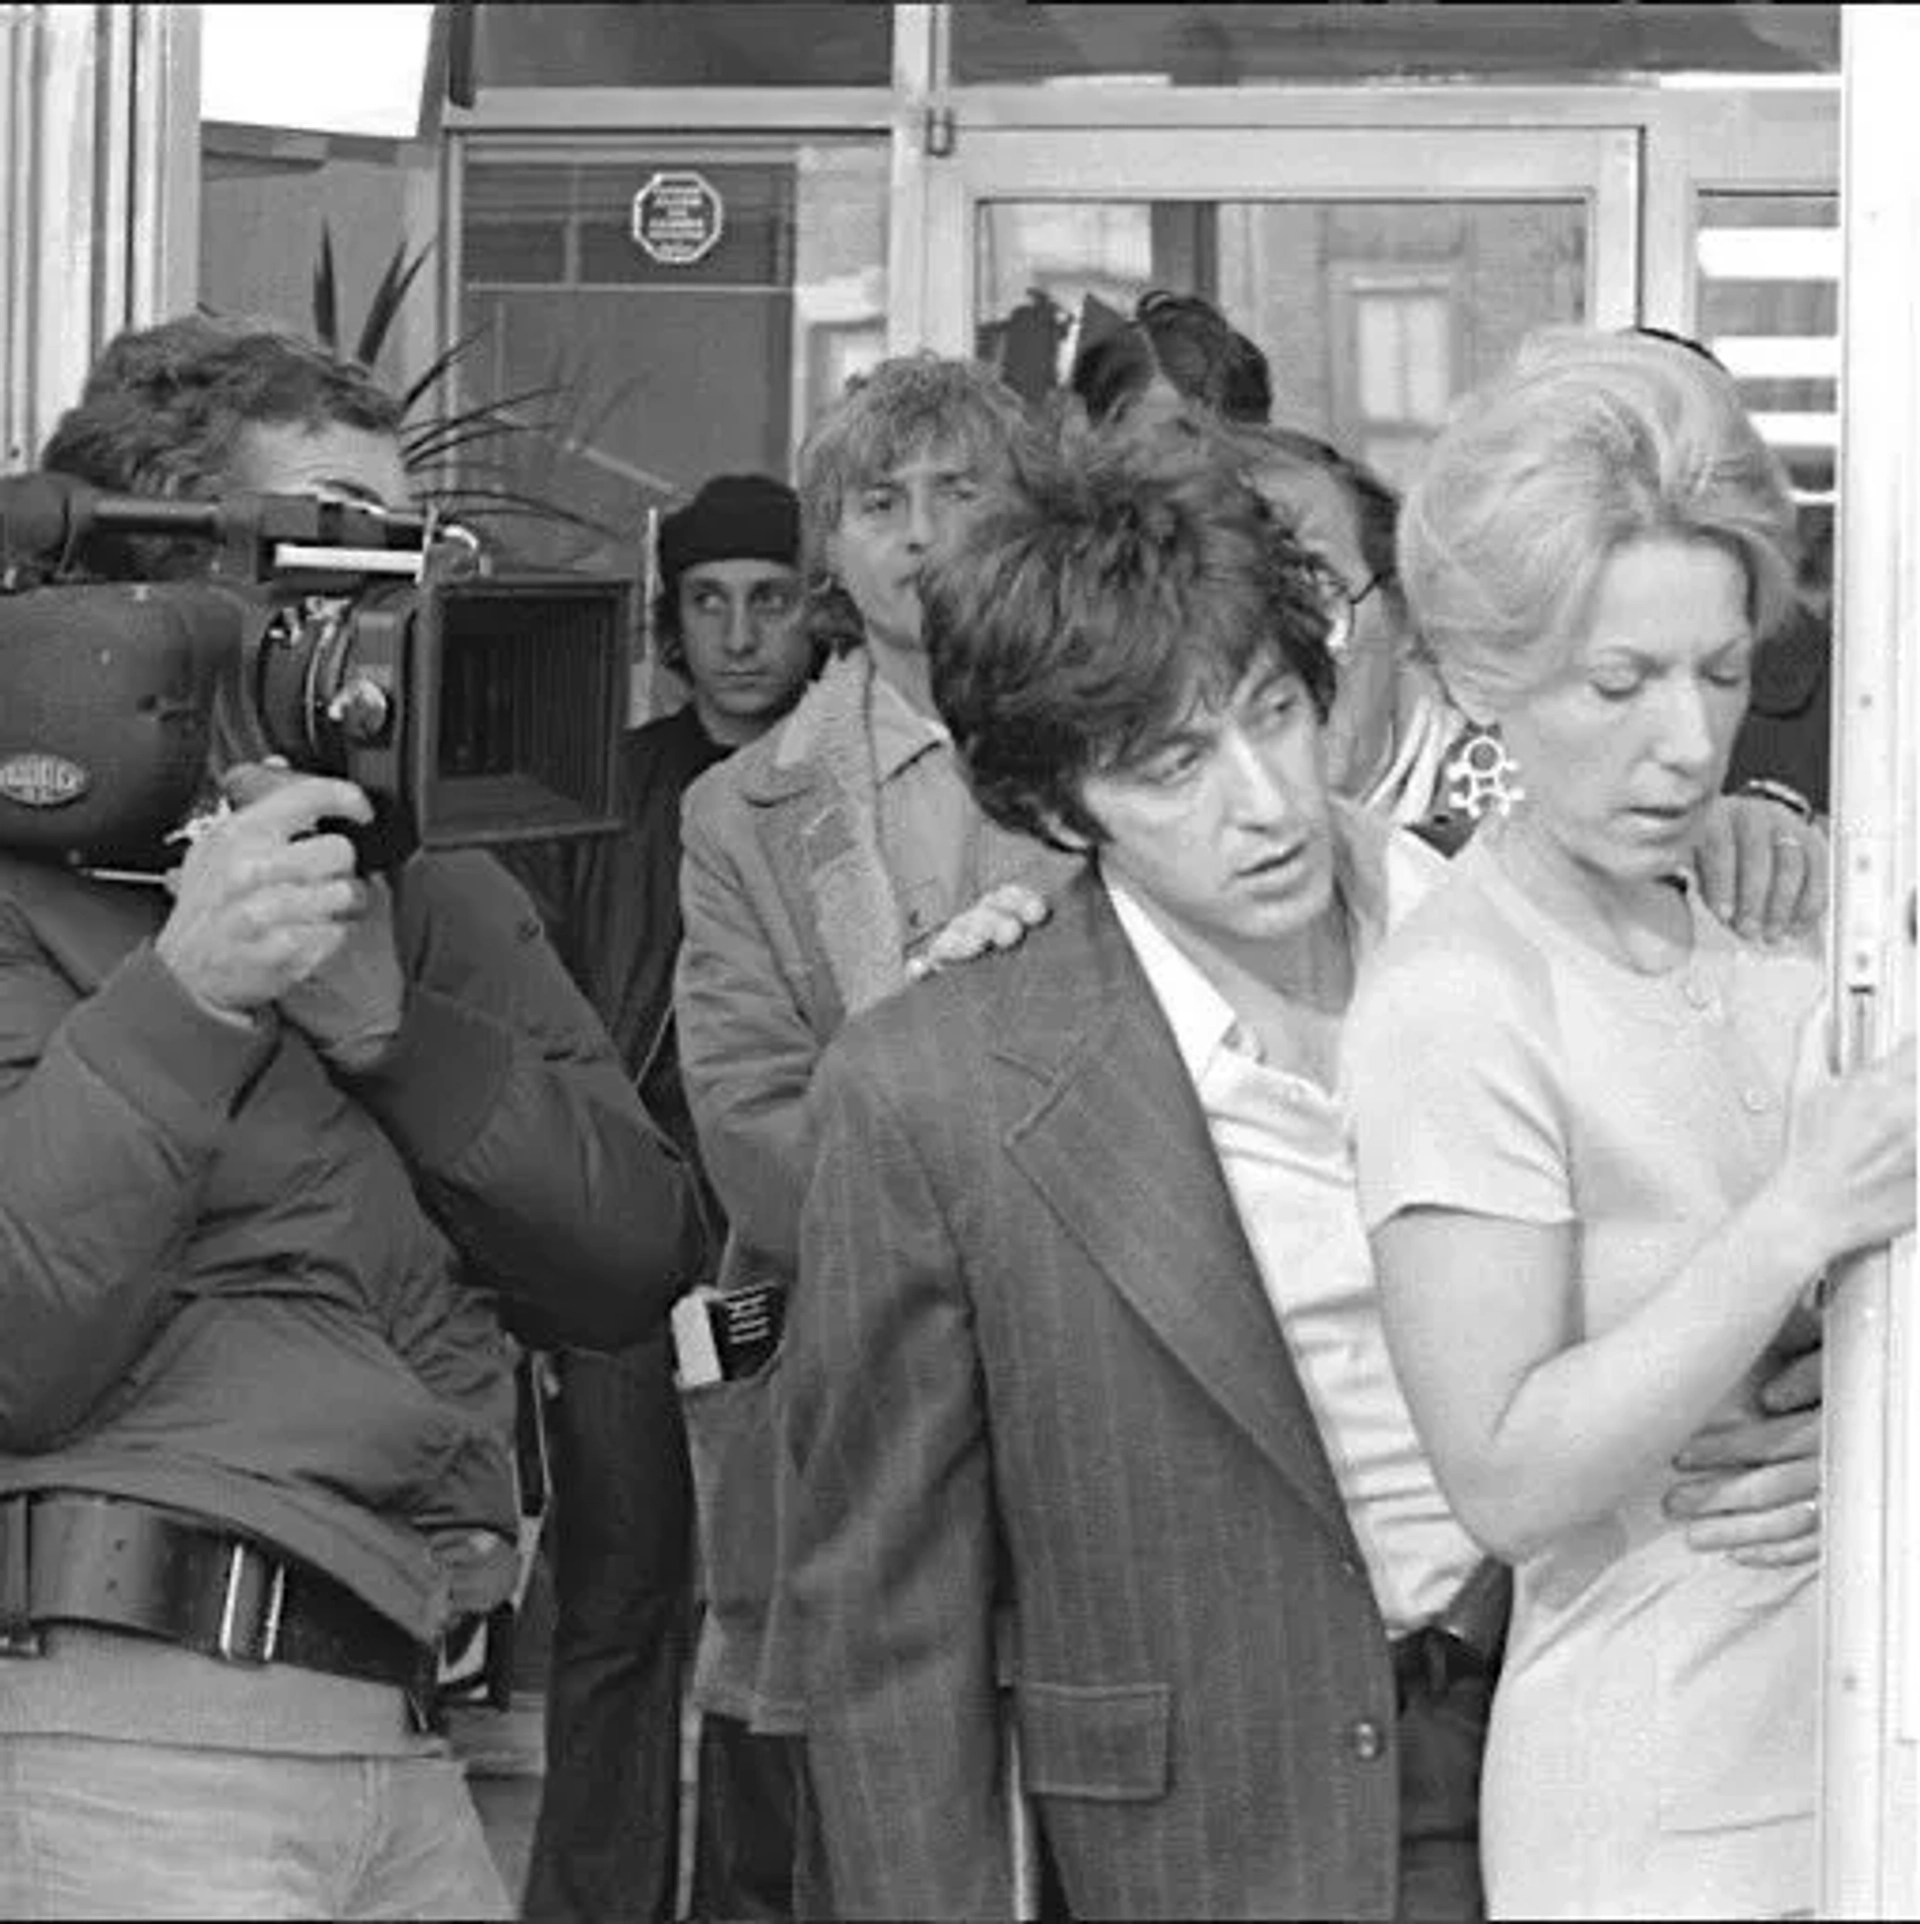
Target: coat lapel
[
  {"x": 1118, "y": 1146},
  {"x": 819, "y": 784}
]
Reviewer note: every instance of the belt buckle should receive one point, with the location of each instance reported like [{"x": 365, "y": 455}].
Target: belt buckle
[{"x": 227, "y": 1643}]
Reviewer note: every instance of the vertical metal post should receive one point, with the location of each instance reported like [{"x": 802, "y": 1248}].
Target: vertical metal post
[
  {"x": 99, "y": 193},
  {"x": 919, "y": 79},
  {"x": 1869, "y": 1849}
]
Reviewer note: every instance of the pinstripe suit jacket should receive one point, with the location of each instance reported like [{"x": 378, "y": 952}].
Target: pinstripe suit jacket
[{"x": 1030, "y": 1361}]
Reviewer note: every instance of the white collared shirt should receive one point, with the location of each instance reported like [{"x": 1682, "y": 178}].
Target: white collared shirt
[{"x": 1283, "y": 1145}]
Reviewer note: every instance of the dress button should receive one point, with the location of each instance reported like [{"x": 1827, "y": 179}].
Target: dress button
[
  {"x": 1368, "y": 1743},
  {"x": 1700, "y": 995},
  {"x": 1754, "y": 1101}
]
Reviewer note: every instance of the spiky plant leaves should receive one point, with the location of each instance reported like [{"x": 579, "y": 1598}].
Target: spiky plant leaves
[
  {"x": 443, "y": 448},
  {"x": 398, "y": 276}
]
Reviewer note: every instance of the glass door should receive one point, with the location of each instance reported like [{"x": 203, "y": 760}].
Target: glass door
[
  {"x": 1744, "y": 244},
  {"x": 1381, "y": 270},
  {"x": 664, "y": 307}
]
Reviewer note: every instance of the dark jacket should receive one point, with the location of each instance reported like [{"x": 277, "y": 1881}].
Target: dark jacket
[
  {"x": 234, "y": 1282},
  {"x": 611, "y": 904},
  {"x": 1787, "y": 729}
]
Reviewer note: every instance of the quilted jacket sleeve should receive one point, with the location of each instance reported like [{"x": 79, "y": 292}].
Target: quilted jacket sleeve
[
  {"x": 524, "y": 1135},
  {"x": 113, "y": 1106}
]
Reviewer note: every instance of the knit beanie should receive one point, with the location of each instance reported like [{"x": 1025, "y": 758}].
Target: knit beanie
[{"x": 735, "y": 517}]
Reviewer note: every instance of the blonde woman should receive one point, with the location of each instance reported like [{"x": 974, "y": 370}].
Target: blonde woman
[{"x": 1597, "y": 1190}]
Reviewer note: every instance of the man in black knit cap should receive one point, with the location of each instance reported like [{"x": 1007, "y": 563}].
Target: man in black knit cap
[{"x": 729, "y": 619}]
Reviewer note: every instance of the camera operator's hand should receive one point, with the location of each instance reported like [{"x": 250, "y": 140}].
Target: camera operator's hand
[
  {"x": 262, "y": 901},
  {"x": 348, "y": 1006}
]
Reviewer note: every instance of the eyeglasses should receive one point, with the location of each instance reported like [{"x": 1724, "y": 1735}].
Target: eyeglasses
[{"x": 1342, "y": 605}]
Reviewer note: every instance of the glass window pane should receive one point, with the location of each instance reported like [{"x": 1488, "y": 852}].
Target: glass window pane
[
  {"x": 776, "y": 43},
  {"x": 1377, "y": 344},
  {"x": 1223, "y": 46},
  {"x": 1372, "y": 314},
  {"x": 1428, "y": 349},
  {"x": 1768, "y": 304},
  {"x": 655, "y": 370}
]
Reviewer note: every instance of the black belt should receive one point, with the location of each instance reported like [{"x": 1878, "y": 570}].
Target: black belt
[
  {"x": 122, "y": 1565},
  {"x": 1432, "y": 1660}
]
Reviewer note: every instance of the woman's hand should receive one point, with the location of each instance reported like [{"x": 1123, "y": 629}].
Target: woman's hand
[
  {"x": 1847, "y": 1175},
  {"x": 1762, "y": 870},
  {"x": 999, "y": 920}
]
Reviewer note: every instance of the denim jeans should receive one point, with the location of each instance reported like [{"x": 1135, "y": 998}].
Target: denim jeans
[{"x": 90, "y": 1828}]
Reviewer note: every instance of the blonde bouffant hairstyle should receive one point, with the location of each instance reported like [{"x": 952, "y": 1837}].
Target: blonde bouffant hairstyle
[{"x": 1589, "y": 442}]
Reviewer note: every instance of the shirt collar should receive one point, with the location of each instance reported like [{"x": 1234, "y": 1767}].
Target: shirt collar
[
  {"x": 1381, "y": 872},
  {"x": 1201, "y": 1018},
  {"x": 901, "y": 733}
]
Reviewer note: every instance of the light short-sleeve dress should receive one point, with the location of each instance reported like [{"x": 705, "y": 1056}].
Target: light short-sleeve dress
[{"x": 1652, "y": 1744}]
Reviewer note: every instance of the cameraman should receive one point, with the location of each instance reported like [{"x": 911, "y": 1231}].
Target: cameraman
[{"x": 273, "y": 1139}]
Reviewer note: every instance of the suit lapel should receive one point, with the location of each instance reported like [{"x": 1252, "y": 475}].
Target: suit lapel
[{"x": 1118, "y": 1147}]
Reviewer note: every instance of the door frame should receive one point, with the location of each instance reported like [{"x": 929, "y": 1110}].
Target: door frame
[{"x": 1725, "y": 139}]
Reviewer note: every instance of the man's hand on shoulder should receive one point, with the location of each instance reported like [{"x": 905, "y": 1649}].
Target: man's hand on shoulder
[
  {"x": 1762, "y": 868},
  {"x": 999, "y": 920}
]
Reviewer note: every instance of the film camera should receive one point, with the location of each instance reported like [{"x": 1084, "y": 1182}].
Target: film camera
[{"x": 353, "y": 641}]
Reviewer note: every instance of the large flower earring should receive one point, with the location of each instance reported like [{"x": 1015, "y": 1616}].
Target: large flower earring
[{"x": 1479, "y": 775}]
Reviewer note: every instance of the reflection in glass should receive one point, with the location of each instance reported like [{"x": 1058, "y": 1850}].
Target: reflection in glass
[
  {"x": 1767, "y": 296},
  {"x": 1373, "y": 314},
  {"x": 1768, "y": 300},
  {"x": 670, "y": 369}
]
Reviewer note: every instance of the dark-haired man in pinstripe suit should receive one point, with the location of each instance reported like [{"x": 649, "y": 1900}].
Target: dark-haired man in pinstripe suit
[
  {"x": 1083, "y": 1386},
  {"x": 1082, "y": 1279}
]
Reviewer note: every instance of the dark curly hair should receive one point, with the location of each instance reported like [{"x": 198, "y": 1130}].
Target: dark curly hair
[
  {"x": 1113, "y": 580},
  {"x": 1375, "y": 503},
  {"x": 1187, "y": 340}
]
